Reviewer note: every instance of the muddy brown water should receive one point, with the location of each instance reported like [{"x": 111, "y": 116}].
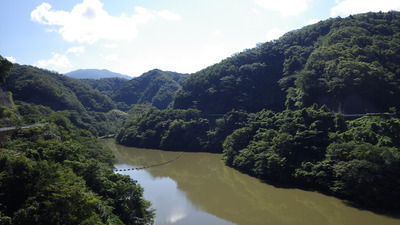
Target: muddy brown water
[{"x": 198, "y": 188}]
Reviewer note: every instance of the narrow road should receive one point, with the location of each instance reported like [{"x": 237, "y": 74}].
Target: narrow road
[{"x": 20, "y": 127}]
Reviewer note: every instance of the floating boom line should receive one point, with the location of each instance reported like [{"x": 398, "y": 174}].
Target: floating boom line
[{"x": 146, "y": 167}]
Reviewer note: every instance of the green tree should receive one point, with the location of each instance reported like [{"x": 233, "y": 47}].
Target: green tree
[{"x": 5, "y": 67}]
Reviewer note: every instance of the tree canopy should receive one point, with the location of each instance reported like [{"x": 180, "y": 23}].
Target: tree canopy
[
  {"x": 283, "y": 111},
  {"x": 349, "y": 64},
  {"x": 5, "y": 67}
]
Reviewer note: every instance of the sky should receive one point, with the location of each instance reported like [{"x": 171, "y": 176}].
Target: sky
[{"x": 134, "y": 36}]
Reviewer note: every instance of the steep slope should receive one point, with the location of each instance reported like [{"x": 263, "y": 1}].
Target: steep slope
[
  {"x": 8, "y": 111},
  {"x": 107, "y": 86},
  {"x": 95, "y": 74},
  {"x": 350, "y": 64},
  {"x": 155, "y": 87},
  {"x": 38, "y": 86}
]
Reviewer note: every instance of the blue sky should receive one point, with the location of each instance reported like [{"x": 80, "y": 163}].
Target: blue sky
[{"x": 135, "y": 36}]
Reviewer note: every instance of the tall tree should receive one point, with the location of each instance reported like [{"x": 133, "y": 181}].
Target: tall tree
[{"x": 5, "y": 67}]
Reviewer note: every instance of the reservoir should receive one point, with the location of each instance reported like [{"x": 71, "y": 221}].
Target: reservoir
[{"x": 198, "y": 189}]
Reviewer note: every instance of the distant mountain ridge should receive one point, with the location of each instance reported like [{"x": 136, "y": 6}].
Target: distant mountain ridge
[{"x": 95, "y": 74}]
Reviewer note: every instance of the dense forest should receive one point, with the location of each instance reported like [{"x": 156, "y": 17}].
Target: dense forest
[
  {"x": 314, "y": 109},
  {"x": 54, "y": 172},
  {"x": 155, "y": 87},
  {"x": 57, "y": 174},
  {"x": 349, "y": 64}
]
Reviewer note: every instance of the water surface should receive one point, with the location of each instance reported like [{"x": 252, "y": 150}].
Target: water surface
[{"x": 199, "y": 189}]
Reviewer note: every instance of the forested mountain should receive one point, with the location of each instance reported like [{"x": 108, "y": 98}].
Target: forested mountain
[
  {"x": 52, "y": 172},
  {"x": 39, "y": 92},
  {"x": 95, "y": 74},
  {"x": 107, "y": 86},
  {"x": 349, "y": 64},
  {"x": 276, "y": 111},
  {"x": 38, "y": 86},
  {"x": 279, "y": 112},
  {"x": 155, "y": 87}
]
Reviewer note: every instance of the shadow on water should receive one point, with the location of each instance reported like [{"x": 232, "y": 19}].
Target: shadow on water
[
  {"x": 219, "y": 190},
  {"x": 395, "y": 214}
]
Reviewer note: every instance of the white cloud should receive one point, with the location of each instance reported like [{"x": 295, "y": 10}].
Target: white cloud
[
  {"x": 77, "y": 50},
  {"x": 312, "y": 21},
  {"x": 112, "y": 57},
  {"x": 110, "y": 45},
  {"x": 274, "y": 34},
  {"x": 57, "y": 62},
  {"x": 347, "y": 7},
  {"x": 11, "y": 59},
  {"x": 165, "y": 14},
  {"x": 89, "y": 22},
  {"x": 217, "y": 32},
  {"x": 285, "y": 7}
]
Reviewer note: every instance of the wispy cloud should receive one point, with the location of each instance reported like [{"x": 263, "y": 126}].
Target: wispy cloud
[
  {"x": 275, "y": 33},
  {"x": 57, "y": 62},
  {"x": 347, "y": 7},
  {"x": 285, "y": 7},
  {"x": 11, "y": 59},
  {"x": 312, "y": 21},
  {"x": 112, "y": 57},
  {"x": 77, "y": 50},
  {"x": 89, "y": 22},
  {"x": 168, "y": 15}
]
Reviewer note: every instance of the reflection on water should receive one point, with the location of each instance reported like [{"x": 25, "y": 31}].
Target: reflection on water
[
  {"x": 171, "y": 204},
  {"x": 199, "y": 189}
]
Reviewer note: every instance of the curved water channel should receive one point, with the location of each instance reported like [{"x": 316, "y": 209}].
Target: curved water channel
[{"x": 199, "y": 189}]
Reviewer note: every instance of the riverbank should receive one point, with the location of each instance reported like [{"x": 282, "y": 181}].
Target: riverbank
[{"x": 199, "y": 189}]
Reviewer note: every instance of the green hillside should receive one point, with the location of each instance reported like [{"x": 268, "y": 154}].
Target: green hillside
[
  {"x": 107, "y": 86},
  {"x": 38, "y": 86},
  {"x": 284, "y": 111},
  {"x": 52, "y": 172},
  {"x": 155, "y": 87},
  {"x": 349, "y": 64}
]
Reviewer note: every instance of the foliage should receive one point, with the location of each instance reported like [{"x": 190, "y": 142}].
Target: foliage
[
  {"x": 57, "y": 174},
  {"x": 90, "y": 98},
  {"x": 8, "y": 111},
  {"x": 349, "y": 64},
  {"x": 33, "y": 85},
  {"x": 155, "y": 87},
  {"x": 166, "y": 129},
  {"x": 5, "y": 67},
  {"x": 317, "y": 149},
  {"x": 38, "y": 86},
  {"x": 107, "y": 86},
  {"x": 187, "y": 130}
]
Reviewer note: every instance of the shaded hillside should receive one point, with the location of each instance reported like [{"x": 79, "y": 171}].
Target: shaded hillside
[
  {"x": 34, "y": 85},
  {"x": 38, "y": 86},
  {"x": 107, "y": 86},
  {"x": 8, "y": 113},
  {"x": 53, "y": 172},
  {"x": 155, "y": 87},
  {"x": 350, "y": 64},
  {"x": 95, "y": 74}
]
